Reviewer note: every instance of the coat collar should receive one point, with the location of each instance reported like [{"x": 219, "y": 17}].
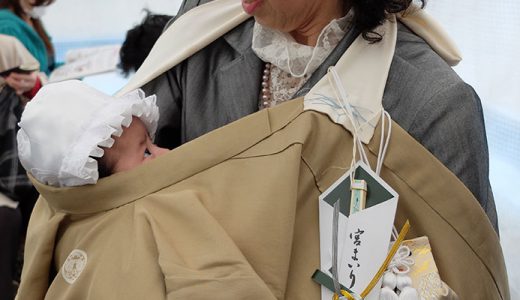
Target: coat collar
[
  {"x": 363, "y": 71},
  {"x": 239, "y": 38},
  {"x": 188, "y": 159}
]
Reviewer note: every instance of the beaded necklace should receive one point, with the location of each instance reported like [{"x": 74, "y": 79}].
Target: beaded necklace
[{"x": 266, "y": 93}]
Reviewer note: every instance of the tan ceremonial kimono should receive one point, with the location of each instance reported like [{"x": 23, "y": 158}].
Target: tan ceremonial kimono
[{"x": 234, "y": 215}]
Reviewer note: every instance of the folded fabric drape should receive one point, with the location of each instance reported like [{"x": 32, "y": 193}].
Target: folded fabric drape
[{"x": 193, "y": 222}]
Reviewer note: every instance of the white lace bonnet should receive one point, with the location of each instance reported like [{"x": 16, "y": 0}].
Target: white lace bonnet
[{"x": 67, "y": 123}]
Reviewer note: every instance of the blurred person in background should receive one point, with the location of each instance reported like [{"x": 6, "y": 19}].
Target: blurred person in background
[
  {"x": 140, "y": 40},
  {"x": 17, "y": 195},
  {"x": 21, "y": 19}
]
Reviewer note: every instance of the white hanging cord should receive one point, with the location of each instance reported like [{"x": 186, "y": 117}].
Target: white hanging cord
[
  {"x": 341, "y": 95},
  {"x": 384, "y": 141},
  {"x": 381, "y": 140},
  {"x": 395, "y": 233},
  {"x": 382, "y": 149}
]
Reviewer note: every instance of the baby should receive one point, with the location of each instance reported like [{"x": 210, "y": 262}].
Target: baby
[{"x": 71, "y": 134}]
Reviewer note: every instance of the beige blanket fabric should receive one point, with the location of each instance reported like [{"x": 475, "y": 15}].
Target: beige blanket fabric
[{"x": 234, "y": 215}]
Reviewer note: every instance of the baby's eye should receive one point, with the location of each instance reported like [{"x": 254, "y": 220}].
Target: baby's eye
[{"x": 147, "y": 153}]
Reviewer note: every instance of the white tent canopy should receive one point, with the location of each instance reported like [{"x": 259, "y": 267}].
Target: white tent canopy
[{"x": 73, "y": 20}]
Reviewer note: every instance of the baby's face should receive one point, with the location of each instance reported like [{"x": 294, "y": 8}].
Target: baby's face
[{"x": 132, "y": 148}]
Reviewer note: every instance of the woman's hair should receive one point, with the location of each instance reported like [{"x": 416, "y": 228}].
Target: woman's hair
[
  {"x": 16, "y": 8},
  {"x": 368, "y": 14},
  {"x": 140, "y": 40}
]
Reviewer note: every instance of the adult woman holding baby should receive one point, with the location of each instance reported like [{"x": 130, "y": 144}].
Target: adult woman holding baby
[
  {"x": 287, "y": 47},
  {"x": 232, "y": 213}
]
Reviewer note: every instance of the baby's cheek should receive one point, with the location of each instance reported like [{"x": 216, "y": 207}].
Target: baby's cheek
[{"x": 146, "y": 159}]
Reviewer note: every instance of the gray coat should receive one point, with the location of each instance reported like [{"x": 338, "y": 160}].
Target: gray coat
[{"x": 221, "y": 83}]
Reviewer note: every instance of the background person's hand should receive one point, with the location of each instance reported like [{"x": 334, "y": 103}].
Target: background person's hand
[{"x": 22, "y": 83}]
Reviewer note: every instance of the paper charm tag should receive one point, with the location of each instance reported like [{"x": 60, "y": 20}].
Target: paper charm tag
[{"x": 363, "y": 237}]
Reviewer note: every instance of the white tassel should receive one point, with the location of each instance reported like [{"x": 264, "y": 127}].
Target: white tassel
[
  {"x": 389, "y": 280},
  {"x": 388, "y": 294},
  {"x": 403, "y": 281},
  {"x": 409, "y": 293}
]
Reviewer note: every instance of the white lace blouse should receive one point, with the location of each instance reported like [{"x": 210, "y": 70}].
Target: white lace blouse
[{"x": 291, "y": 63}]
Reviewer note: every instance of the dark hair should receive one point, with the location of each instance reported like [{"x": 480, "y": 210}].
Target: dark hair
[
  {"x": 104, "y": 170},
  {"x": 16, "y": 8},
  {"x": 140, "y": 40},
  {"x": 368, "y": 14}
]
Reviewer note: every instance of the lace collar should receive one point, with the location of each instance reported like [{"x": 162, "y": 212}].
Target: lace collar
[{"x": 281, "y": 50}]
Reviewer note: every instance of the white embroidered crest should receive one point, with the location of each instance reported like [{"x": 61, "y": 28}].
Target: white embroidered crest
[{"x": 74, "y": 265}]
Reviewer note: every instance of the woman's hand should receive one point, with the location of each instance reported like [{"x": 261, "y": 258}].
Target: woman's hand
[{"x": 22, "y": 83}]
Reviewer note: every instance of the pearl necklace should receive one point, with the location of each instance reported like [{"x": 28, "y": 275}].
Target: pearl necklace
[
  {"x": 270, "y": 96},
  {"x": 266, "y": 91}
]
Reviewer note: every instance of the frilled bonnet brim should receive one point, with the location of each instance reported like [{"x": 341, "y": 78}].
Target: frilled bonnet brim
[{"x": 67, "y": 125}]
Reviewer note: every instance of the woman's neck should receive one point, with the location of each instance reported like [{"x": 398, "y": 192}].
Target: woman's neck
[
  {"x": 308, "y": 32},
  {"x": 28, "y": 20},
  {"x": 24, "y": 15}
]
